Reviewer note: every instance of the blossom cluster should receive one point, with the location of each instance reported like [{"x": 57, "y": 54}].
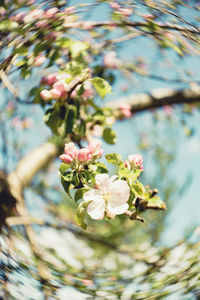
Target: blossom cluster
[
  {"x": 59, "y": 88},
  {"x": 124, "y": 11},
  {"x": 134, "y": 161},
  {"x": 72, "y": 153},
  {"x": 108, "y": 198}
]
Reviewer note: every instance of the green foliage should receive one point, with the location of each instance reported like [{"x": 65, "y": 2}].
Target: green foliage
[
  {"x": 109, "y": 136},
  {"x": 102, "y": 86},
  {"x": 115, "y": 159}
]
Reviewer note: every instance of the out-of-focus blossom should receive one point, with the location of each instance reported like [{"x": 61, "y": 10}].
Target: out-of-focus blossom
[
  {"x": 49, "y": 79},
  {"x": 39, "y": 60},
  {"x": 56, "y": 94},
  {"x": 87, "y": 25},
  {"x": 125, "y": 11},
  {"x": 50, "y": 13},
  {"x": 10, "y": 107},
  {"x": 135, "y": 160},
  {"x": 33, "y": 15},
  {"x": 111, "y": 61},
  {"x": 88, "y": 90},
  {"x": 125, "y": 109},
  {"x": 168, "y": 110},
  {"x": 46, "y": 95},
  {"x": 110, "y": 197},
  {"x": 114, "y": 5}
]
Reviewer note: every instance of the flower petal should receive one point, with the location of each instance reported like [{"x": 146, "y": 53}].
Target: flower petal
[
  {"x": 96, "y": 210},
  {"x": 103, "y": 182},
  {"x": 116, "y": 209},
  {"x": 119, "y": 192},
  {"x": 94, "y": 195}
]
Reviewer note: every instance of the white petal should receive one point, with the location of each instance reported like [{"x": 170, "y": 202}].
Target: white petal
[
  {"x": 103, "y": 182},
  {"x": 112, "y": 178},
  {"x": 119, "y": 192},
  {"x": 116, "y": 209},
  {"x": 94, "y": 195},
  {"x": 96, "y": 210}
]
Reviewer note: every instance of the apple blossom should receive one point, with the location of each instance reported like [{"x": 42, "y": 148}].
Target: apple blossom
[
  {"x": 66, "y": 158},
  {"x": 110, "y": 197},
  {"x": 83, "y": 154},
  {"x": 125, "y": 109},
  {"x": 135, "y": 160},
  {"x": 95, "y": 147},
  {"x": 71, "y": 150},
  {"x": 45, "y": 95}
]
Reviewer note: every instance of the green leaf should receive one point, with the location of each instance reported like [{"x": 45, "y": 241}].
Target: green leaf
[
  {"x": 7, "y": 25},
  {"x": 115, "y": 159},
  {"x": 53, "y": 119},
  {"x": 74, "y": 68},
  {"x": 109, "y": 136},
  {"x": 63, "y": 168},
  {"x": 80, "y": 214},
  {"x": 124, "y": 172},
  {"x": 98, "y": 167},
  {"x": 156, "y": 203},
  {"x": 75, "y": 47},
  {"x": 70, "y": 118},
  {"x": 102, "y": 86},
  {"x": 65, "y": 184},
  {"x": 138, "y": 188},
  {"x": 79, "y": 194}
]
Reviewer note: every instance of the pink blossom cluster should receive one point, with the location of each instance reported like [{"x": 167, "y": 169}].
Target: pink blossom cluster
[
  {"x": 124, "y": 11},
  {"x": 125, "y": 110},
  {"x": 135, "y": 161},
  {"x": 72, "y": 153},
  {"x": 59, "y": 87},
  {"x": 88, "y": 91},
  {"x": 35, "y": 15}
]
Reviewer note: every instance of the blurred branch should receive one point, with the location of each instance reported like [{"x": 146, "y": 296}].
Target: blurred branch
[{"x": 159, "y": 98}]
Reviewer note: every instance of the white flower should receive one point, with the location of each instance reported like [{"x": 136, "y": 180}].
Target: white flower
[{"x": 109, "y": 197}]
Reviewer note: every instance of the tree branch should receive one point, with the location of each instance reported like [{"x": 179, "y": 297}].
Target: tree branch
[{"x": 158, "y": 98}]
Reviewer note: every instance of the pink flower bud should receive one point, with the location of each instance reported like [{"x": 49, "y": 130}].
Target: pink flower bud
[
  {"x": 61, "y": 85},
  {"x": 94, "y": 146},
  {"x": 45, "y": 95},
  {"x": 83, "y": 154},
  {"x": 136, "y": 160},
  {"x": 55, "y": 93},
  {"x": 125, "y": 109},
  {"x": 66, "y": 158},
  {"x": 71, "y": 150}
]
